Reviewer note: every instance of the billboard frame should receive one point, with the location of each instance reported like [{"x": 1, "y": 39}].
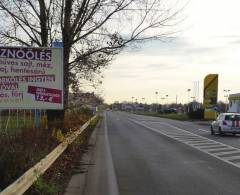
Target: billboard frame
[{"x": 61, "y": 82}]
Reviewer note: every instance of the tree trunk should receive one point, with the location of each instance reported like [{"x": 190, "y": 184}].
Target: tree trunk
[{"x": 56, "y": 117}]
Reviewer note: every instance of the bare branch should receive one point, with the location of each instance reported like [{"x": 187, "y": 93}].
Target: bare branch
[{"x": 93, "y": 31}]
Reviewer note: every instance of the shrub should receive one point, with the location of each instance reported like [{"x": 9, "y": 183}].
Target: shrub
[
  {"x": 21, "y": 151},
  {"x": 198, "y": 114},
  {"x": 43, "y": 187},
  {"x": 75, "y": 118}
]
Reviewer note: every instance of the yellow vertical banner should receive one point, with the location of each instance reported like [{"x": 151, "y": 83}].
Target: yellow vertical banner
[{"x": 210, "y": 96}]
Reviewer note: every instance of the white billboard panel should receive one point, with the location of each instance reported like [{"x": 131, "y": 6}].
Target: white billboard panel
[{"x": 31, "y": 78}]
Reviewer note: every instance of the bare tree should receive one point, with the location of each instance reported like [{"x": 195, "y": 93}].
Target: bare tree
[{"x": 92, "y": 31}]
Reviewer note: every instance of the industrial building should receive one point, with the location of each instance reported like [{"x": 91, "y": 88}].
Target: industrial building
[{"x": 234, "y": 103}]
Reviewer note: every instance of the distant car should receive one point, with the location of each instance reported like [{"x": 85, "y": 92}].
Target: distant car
[
  {"x": 170, "y": 110},
  {"x": 226, "y": 123}
]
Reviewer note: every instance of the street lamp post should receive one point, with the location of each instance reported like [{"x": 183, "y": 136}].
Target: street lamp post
[
  {"x": 226, "y": 96},
  {"x": 163, "y": 98},
  {"x": 167, "y": 99},
  {"x": 188, "y": 99},
  {"x": 132, "y": 103},
  {"x": 188, "y": 95},
  {"x": 156, "y": 93},
  {"x": 156, "y": 100},
  {"x": 193, "y": 103},
  {"x": 143, "y": 104}
]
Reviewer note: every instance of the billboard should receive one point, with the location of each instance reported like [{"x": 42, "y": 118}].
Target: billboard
[
  {"x": 210, "y": 90},
  {"x": 210, "y": 95},
  {"x": 31, "y": 78}
]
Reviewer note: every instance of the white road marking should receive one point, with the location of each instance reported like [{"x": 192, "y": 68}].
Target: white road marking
[
  {"x": 190, "y": 141},
  {"x": 211, "y": 147},
  {"x": 197, "y": 142},
  {"x": 223, "y": 153},
  {"x": 237, "y": 163},
  {"x": 233, "y": 157},
  {"x": 204, "y": 130},
  {"x": 205, "y": 144}
]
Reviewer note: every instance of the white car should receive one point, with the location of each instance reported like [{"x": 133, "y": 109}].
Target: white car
[{"x": 226, "y": 123}]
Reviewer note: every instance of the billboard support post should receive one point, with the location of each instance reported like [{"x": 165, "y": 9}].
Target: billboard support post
[
  {"x": 30, "y": 116},
  {"x": 24, "y": 117},
  {"x": 36, "y": 118},
  {"x": 0, "y": 120},
  {"x": 17, "y": 118},
  {"x": 9, "y": 115}
]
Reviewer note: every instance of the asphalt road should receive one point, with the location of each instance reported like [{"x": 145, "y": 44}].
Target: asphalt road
[{"x": 140, "y": 155}]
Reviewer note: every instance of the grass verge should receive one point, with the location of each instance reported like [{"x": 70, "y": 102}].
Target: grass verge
[
  {"x": 22, "y": 149},
  {"x": 56, "y": 178}
]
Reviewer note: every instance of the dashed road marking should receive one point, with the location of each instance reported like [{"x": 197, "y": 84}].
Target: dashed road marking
[
  {"x": 205, "y": 144},
  {"x": 232, "y": 157},
  {"x": 204, "y": 130},
  {"x": 220, "y": 154}
]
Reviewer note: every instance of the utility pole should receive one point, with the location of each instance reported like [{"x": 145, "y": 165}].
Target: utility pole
[{"x": 132, "y": 103}]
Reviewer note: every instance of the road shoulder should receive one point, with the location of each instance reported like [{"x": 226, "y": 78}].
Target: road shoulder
[
  {"x": 76, "y": 184},
  {"x": 99, "y": 177}
]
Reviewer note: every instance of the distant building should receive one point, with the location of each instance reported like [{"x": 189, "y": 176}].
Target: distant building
[
  {"x": 84, "y": 99},
  {"x": 127, "y": 107},
  {"x": 116, "y": 106},
  {"x": 234, "y": 103}
]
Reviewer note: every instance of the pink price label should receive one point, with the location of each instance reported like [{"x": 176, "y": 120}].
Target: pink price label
[{"x": 46, "y": 94}]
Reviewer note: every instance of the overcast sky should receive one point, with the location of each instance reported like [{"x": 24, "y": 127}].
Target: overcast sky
[{"x": 210, "y": 43}]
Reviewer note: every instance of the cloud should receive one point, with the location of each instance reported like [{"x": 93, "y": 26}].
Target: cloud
[
  {"x": 161, "y": 66},
  {"x": 185, "y": 46},
  {"x": 172, "y": 67},
  {"x": 126, "y": 75},
  {"x": 211, "y": 45}
]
